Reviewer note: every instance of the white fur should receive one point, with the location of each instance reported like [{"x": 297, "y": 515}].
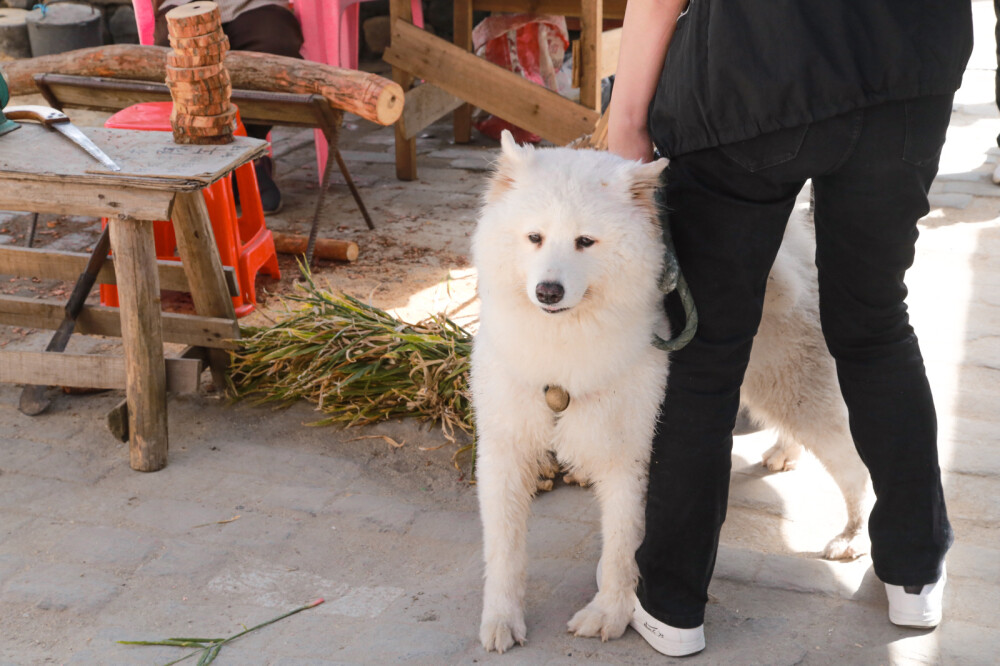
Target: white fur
[{"x": 599, "y": 350}]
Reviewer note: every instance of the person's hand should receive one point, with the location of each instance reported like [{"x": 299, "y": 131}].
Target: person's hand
[{"x": 629, "y": 140}]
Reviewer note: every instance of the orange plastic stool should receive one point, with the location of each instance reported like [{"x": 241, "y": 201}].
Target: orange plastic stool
[{"x": 243, "y": 240}]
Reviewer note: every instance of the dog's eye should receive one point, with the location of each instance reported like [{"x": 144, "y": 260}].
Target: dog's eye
[
  {"x": 584, "y": 242},
  {"x": 535, "y": 238}
]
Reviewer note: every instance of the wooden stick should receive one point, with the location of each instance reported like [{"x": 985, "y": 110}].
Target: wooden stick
[
  {"x": 326, "y": 248},
  {"x": 369, "y": 96}
]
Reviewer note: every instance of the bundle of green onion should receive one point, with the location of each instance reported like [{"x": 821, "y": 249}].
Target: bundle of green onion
[{"x": 357, "y": 363}]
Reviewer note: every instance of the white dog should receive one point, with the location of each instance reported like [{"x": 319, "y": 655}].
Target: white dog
[{"x": 569, "y": 251}]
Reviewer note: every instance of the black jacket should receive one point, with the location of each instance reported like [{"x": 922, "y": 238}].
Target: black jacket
[{"x": 740, "y": 68}]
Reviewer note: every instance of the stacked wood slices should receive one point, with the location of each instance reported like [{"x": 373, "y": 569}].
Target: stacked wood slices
[{"x": 198, "y": 81}]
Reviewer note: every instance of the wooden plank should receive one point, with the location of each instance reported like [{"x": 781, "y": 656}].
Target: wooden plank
[
  {"x": 73, "y": 93},
  {"x": 65, "y": 198},
  {"x": 101, "y": 94},
  {"x": 149, "y": 160},
  {"x": 406, "y": 147},
  {"x": 200, "y": 257},
  {"x": 613, "y": 9},
  {"x": 611, "y": 42},
  {"x": 591, "y": 27},
  {"x": 424, "y": 105},
  {"x": 49, "y": 264},
  {"x": 213, "y": 332},
  {"x": 488, "y": 86},
  {"x": 142, "y": 338},
  {"x": 89, "y": 370},
  {"x": 463, "y": 39}
]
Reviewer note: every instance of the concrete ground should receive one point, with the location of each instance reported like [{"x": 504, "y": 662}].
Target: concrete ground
[{"x": 257, "y": 514}]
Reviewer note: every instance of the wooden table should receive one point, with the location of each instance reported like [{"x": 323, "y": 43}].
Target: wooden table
[
  {"x": 42, "y": 171},
  {"x": 455, "y": 79}
]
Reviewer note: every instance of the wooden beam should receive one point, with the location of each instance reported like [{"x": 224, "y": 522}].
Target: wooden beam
[
  {"x": 611, "y": 42},
  {"x": 217, "y": 333},
  {"x": 591, "y": 27},
  {"x": 406, "y": 147},
  {"x": 88, "y": 370},
  {"x": 200, "y": 258},
  {"x": 424, "y": 105},
  {"x": 142, "y": 342},
  {"x": 613, "y": 9},
  {"x": 462, "y": 31},
  {"x": 488, "y": 86},
  {"x": 50, "y": 264},
  {"x": 81, "y": 199}
]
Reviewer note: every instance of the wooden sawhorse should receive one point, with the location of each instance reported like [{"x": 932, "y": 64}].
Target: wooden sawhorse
[{"x": 41, "y": 171}]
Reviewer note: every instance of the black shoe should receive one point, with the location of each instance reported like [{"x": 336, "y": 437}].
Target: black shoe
[{"x": 270, "y": 195}]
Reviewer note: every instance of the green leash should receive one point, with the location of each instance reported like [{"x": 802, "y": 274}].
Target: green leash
[{"x": 672, "y": 278}]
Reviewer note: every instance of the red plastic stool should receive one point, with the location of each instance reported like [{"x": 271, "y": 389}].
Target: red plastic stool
[{"x": 244, "y": 242}]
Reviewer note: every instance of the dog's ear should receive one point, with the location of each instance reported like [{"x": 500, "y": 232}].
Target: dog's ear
[
  {"x": 646, "y": 179},
  {"x": 512, "y": 158}
]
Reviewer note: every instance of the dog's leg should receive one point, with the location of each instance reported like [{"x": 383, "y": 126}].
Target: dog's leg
[
  {"x": 620, "y": 494},
  {"x": 506, "y": 480},
  {"x": 841, "y": 460},
  {"x": 851, "y": 477}
]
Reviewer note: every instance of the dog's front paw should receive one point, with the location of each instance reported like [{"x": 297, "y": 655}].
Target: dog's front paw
[
  {"x": 782, "y": 457},
  {"x": 845, "y": 548},
  {"x": 500, "y": 633},
  {"x": 602, "y": 617}
]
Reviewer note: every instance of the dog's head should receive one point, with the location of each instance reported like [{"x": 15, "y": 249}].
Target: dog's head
[{"x": 569, "y": 227}]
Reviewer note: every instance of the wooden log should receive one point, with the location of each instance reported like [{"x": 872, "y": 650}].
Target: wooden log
[
  {"x": 142, "y": 338},
  {"x": 193, "y": 73},
  {"x": 184, "y": 138},
  {"x": 212, "y": 122},
  {"x": 369, "y": 96},
  {"x": 220, "y": 81},
  {"x": 194, "y": 18},
  {"x": 178, "y": 60},
  {"x": 186, "y": 108},
  {"x": 326, "y": 248},
  {"x": 201, "y": 46}
]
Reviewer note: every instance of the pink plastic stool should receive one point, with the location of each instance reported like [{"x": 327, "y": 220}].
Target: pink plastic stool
[
  {"x": 330, "y": 29},
  {"x": 244, "y": 241}
]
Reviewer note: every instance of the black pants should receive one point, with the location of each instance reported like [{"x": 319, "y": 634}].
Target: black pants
[
  {"x": 272, "y": 29},
  {"x": 871, "y": 170}
]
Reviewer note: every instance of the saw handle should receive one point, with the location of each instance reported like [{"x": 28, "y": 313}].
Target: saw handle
[{"x": 43, "y": 114}]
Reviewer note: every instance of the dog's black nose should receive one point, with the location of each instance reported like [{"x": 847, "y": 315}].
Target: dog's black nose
[{"x": 549, "y": 292}]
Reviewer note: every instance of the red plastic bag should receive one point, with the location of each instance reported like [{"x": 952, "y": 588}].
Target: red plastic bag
[{"x": 532, "y": 45}]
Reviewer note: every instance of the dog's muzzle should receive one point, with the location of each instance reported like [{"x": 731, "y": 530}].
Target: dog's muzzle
[{"x": 549, "y": 293}]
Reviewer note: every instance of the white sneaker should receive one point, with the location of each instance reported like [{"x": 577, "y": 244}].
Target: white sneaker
[
  {"x": 920, "y": 610},
  {"x": 663, "y": 638}
]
